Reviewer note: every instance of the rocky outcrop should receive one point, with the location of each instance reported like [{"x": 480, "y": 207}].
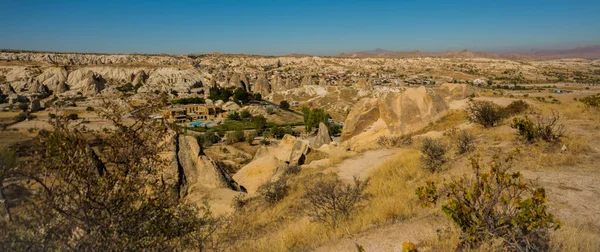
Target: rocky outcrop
[
  {"x": 394, "y": 113},
  {"x": 307, "y": 81},
  {"x": 322, "y": 137},
  {"x": 94, "y": 84},
  {"x": 322, "y": 82},
  {"x": 262, "y": 86},
  {"x": 456, "y": 91},
  {"x": 244, "y": 82},
  {"x": 7, "y": 89},
  {"x": 236, "y": 82},
  {"x": 61, "y": 88},
  {"x": 364, "y": 84},
  {"x": 270, "y": 161},
  {"x": 199, "y": 171},
  {"x": 139, "y": 78}
]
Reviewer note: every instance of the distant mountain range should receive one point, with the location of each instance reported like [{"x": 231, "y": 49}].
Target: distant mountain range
[{"x": 589, "y": 52}]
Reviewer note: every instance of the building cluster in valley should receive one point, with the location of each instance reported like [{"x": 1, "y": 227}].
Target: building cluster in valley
[{"x": 198, "y": 112}]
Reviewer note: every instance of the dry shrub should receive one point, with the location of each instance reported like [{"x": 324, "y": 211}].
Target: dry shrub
[
  {"x": 395, "y": 141},
  {"x": 275, "y": 191},
  {"x": 434, "y": 154},
  {"x": 331, "y": 201},
  {"x": 495, "y": 208},
  {"x": 516, "y": 107},
  {"x": 485, "y": 113},
  {"x": 464, "y": 140},
  {"x": 541, "y": 127}
]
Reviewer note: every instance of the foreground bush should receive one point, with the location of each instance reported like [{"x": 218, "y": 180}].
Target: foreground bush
[
  {"x": 541, "y": 127},
  {"x": 331, "y": 201},
  {"x": 116, "y": 197},
  {"x": 494, "y": 206},
  {"x": 434, "y": 154},
  {"x": 485, "y": 113}
]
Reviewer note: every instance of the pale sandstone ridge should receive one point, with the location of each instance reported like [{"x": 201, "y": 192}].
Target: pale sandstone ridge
[
  {"x": 271, "y": 161},
  {"x": 397, "y": 113}
]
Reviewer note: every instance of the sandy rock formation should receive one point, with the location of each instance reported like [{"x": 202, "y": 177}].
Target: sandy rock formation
[
  {"x": 236, "y": 82},
  {"x": 307, "y": 81},
  {"x": 270, "y": 161},
  {"x": 244, "y": 82},
  {"x": 395, "y": 113},
  {"x": 61, "y": 88},
  {"x": 322, "y": 82},
  {"x": 456, "y": 91},
  {"x": 322, "y": 137},
  {"x": 364, "y": 84},
  {"x": 139, "y": 78},
  {"x": 94, "y": 84},
  {"x": 262, "y": 86},
  {"x": 7, "y": 89},
  {"x": 199, "y": 170}
]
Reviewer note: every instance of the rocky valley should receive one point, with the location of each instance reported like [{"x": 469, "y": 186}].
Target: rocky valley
[{"x": 297, "y": 153}]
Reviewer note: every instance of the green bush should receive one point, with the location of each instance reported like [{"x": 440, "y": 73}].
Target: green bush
[
  {"x": 250, "y": 137},
  {"x": 284, "y": 105},
  {"x": 21, "y": 117},
  {"x": 89, "y": 108},
  {"x": 270, "y": 111},
  {"x": 236, "y": 136},
  {"x": 235, "y": 116},
  {"x": 245, "y": 114},
  {"x": 485, "y": 113},
  {"x": 494, "y": 206},
  {"x": 73, "y": 116},
  {"x": 23, "y": 106},
  {"x": 434, "y": 154}
]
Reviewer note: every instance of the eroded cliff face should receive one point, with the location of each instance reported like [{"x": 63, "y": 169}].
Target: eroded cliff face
[{"x": 398, "y": 113}]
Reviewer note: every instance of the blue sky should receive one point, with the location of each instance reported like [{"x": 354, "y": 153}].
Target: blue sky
[{"x": 281, "y": 27}]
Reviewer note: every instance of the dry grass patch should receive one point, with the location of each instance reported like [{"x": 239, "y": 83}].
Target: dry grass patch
[{"x": 572, "y": 237}]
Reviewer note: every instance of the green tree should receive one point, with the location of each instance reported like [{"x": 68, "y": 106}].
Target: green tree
[
  {"x": 23, "y": 106},
  {"x": 260, "y": 122},
  {"x": 284, "y": 105},
  {"x": 312, "y": 118}
]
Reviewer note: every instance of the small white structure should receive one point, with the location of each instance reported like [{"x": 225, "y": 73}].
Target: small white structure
[{"x": 478, "y": 81}]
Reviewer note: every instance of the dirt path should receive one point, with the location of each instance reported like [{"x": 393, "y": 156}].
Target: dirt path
[
  {"x": 361, "y": 166},
  {"x": 572, "y": 196},
  {"x": 389, "y": 238}
]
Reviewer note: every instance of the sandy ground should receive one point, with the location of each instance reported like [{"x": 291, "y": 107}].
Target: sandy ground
[
  {"x": 361, "y": 166},
  {"x": 389, "y": 238}
]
